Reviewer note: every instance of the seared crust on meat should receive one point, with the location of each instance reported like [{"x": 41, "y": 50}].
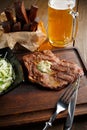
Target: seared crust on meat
[{"x": 60, "y": 74}]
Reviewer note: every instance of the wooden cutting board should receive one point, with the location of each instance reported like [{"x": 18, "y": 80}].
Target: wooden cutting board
[{"x": 30, "y": 103}]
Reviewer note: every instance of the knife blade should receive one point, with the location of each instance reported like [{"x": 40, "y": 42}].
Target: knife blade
[{"x": 71, "y": 108}]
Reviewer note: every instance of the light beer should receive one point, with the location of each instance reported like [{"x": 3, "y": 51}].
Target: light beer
[{"x": 60, "y": 22}]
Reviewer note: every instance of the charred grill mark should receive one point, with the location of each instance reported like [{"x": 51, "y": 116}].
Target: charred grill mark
[{"x": 63, "y": 72}]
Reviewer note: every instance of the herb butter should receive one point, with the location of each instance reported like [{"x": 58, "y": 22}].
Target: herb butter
[{"x": 44, "y": 66}]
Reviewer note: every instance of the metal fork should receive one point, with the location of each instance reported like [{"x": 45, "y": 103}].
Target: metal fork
[{"x": 62, "y": 103}]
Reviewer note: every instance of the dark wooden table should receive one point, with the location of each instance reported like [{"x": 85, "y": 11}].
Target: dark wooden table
[{"x": 28, "y": 120}]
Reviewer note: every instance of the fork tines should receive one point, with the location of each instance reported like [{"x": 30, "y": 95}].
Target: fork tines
[{"x": 69, "y": 91}]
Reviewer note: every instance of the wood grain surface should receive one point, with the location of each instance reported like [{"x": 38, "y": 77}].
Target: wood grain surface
[
  {"x": 29, "y": 103},
  {"x": 14, "y": 116}
]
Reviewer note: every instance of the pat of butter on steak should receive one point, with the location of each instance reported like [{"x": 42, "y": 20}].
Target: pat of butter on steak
[{"x": 46, "y": 69}]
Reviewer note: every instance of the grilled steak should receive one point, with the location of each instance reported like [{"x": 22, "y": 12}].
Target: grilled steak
[{"x": 49, "y": 71}]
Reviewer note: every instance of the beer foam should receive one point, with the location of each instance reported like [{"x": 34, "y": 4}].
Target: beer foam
[{"x": 62, "y": 4}]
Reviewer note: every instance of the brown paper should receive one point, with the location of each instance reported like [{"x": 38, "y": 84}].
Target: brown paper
[{"x": 29, "y": 40}]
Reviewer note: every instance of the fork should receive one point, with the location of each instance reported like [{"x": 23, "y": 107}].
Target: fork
[{"x": 62, "y": 103}]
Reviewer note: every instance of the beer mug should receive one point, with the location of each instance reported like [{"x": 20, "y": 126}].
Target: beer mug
[{"x": 62, "y": 17}]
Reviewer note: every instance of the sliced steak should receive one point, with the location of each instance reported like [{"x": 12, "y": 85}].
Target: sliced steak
[{"x": 46, "y": 69}]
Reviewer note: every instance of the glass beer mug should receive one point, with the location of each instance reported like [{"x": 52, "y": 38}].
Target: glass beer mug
[{"x": 62, "y": 17}]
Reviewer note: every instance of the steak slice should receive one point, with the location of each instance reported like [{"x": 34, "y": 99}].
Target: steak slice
[{"x": 46, "y": 69}]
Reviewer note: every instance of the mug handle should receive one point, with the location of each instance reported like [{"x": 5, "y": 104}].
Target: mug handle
[{"x": 74, "y": 15}]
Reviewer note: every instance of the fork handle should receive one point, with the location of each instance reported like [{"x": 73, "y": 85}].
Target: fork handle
[
  {"x": 49, "y": 123},
  {"x": 47, "y": 126},
  {"x": 53, "y": 118}
]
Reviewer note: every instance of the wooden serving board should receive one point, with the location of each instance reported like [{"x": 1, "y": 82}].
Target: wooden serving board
[{"x": 30, "y": 103}]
